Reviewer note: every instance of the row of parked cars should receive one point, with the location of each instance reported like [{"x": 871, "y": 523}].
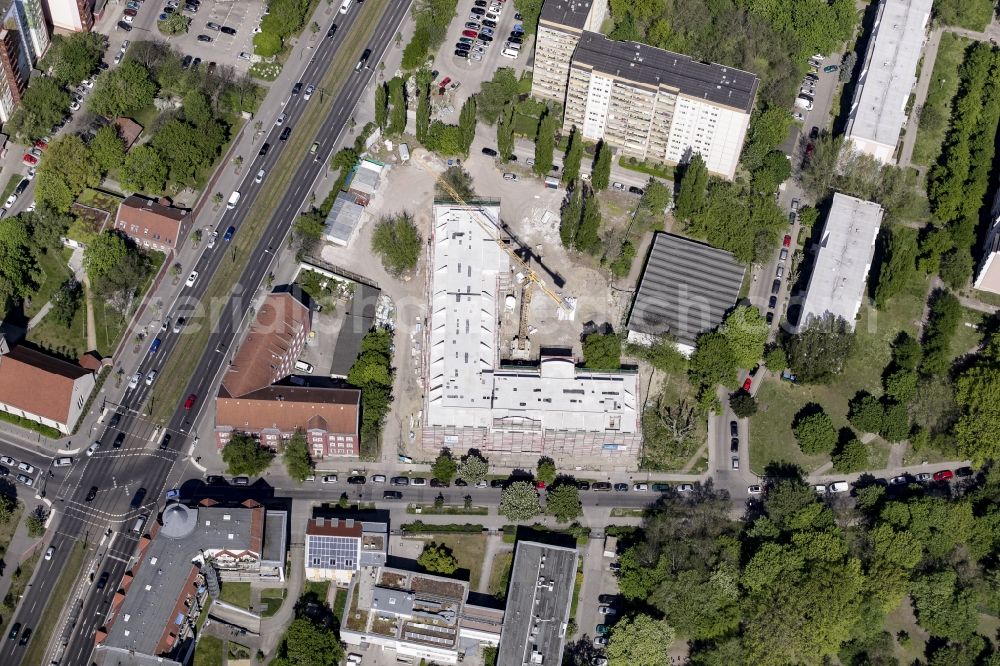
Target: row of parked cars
[
  {"x": 7, "y": 463},
  {"x": 479, "y": 31}
]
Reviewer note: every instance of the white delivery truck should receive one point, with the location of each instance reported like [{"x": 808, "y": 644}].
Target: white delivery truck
[
  {"x": 234, "y": 199},
  {"x": 803, "y": 102}
]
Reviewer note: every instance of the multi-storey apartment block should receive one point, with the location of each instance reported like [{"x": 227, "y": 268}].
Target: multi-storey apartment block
[
  {"x": 24, "y": 38},
  {"x": 560, "y": 26}
]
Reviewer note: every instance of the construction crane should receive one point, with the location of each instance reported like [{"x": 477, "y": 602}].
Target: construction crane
[{"x": 490, "y": 228}]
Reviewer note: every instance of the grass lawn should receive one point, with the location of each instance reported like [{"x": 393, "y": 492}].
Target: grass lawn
[
  {"x": 771, "y": 437},
  {"x": 319, "y": 588},
  {"x": 179, "y": 368},
  {"x": 340, "y": 603},
  {"x": 500, "y": 574},
  {"x": 109, "y": 323},
  {"x": 7, "y": 528},
  {"x": 272, "y": 598},
  {"x": 18, "y": 583},
  {"x": 209, "y": 652},
  {"x": 72, "y": 564},
  {"x": 469, "y": 550},
  {"x": 101, "y": 200},
  {"x": 53, "y": 273},
  {"x": 968, "y": 335},
  {"x": 942, "y": 89},
  {"x": 69, "y": 342},
  {"x": 902, "y": 619},
  {"x": 237, "y": 594},
  {"x": 11, "y": 184}
]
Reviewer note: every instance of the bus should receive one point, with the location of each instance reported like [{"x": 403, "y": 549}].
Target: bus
[{"x": 345, "y": 5}]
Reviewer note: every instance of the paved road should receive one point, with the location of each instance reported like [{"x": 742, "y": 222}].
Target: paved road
[{"x": 119, "y": 472}]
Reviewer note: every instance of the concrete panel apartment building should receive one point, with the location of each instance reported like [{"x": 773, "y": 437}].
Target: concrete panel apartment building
[{"x": 646, "y": 102}]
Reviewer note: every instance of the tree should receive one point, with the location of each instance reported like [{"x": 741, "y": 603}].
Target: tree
[
  {"x": 640, "y": 641},
  {"x": 267, "y": 44},
  {"x": 397, "y": 107},
  {"x": 104, "y": 254},
  {"x": 899, "y": 265},
  {"x": 108, "y": 148},
  {"x": 473, "y": 468},
  {"x": 398, "y": 242},
  {"x": 35, "y": 522},
  {"x": 67, "y": 169},
  {"x": 956, "y": 268},
  {"x": 445, "y": 467},
  {"x": 545, "y": 142},
  {"x": 123, "y": 90},
  {"x": 743, "y": 404},
  {"x": 438, "y": 558},
  {"x": 174, "y": 24},
  {"x": 691, "y": 192},
  {"x": 505, "y": 133},
  {"x": 309, "y": 644},
  {"x": 895, "y": 423},
  {"x": 143, "y": 170},
  {"x": 943, "y": 319},
  {"x": 381, "y": 105},
  {"x": 713, "y": 361},
  {"x": 775, "y": 359},
  {"x": 18, "y": 267},
  {"x": 495, "y": 96},
  {"x": 7, "y": 506},
  {"x": 372, "y": 373},
  {"x": 445, "y": 139},
  {"x": 467, "y": 122},
  {"x": 602, "y": 351},
  {"x": 775, "y": 169},
  {"x": 563, "y": 502},
  {"x": 808, "y": 216},
  {"x": 814, "y": 431},
  {"x": 943, "y": 606},
  {"x": 653, "y": 204},
  {"x": 600, "y": 174},
  {"x": 573, "y": 157},
  {"x": 46, "y": 227},
  {"x": 546, "y": 472},
  {"x": 73, "y": 58},
  {"x": 569, "y": 221},
  {"x": 820, "y": 349},
  {"x": 851, "y": 457},
  {"x": 519, "y": 502},
  {"x": 587, "y": 234},
  {"x": 66, "y": 301},
  {"x": 622, "y": 264},
  {"x": 459, "y": 180},
  {"x": 423, "y": 120},
  {"x": 296, "y": 456},
  {"x": 187, "y": 149},
  {"x": 43, "y": 106},
  {"x": 244, "y": 456},
  {"x": 865, "y": 413},
  {"x": 746, "y": 332}
]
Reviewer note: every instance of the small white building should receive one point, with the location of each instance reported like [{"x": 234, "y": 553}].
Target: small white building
[{"x": 843, "y": 259}]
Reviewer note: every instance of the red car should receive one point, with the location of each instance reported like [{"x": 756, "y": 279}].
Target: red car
[
  {"x": 29, "y": 159},
  {"x": 787, "y": 242},
  {"x": 469, "y": 33},
  {"x": 944, "y": 475},
  {"x": 41, "y": 145},
  {"x": 748, "y": 383},
  {"x": 189, "y": 403},
  {"x": 131, "y": 12},
  {"x": 446, "y": 80},
  {"x": 539, "y": 484}
]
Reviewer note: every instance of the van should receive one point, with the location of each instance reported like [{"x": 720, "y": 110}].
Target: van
[
  {"x": 345, "y": 5},
  {"x": 803, "y": 102},
  {"x": 838, "y": 487},
  {"x": 354, "y": 658},
  {"x": 404, "y": 152},
  {"x": 63, "y": 462},
  {"x": 302, "y": 366},
  {"x": 139, "y": 523},
  {"x": 551, "y": 183},
  {"x": 234, "y": 199},
  {"x": 363, "y": 60}
]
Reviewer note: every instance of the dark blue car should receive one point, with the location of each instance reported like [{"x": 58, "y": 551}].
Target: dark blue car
[
  {"x": 153, "y": 347},
  {"x": 229, "y": 233}
]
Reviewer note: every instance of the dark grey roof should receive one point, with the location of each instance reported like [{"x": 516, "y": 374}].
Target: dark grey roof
[
  {"x": 357, "y": 319},
  {"x": 274, "y": 536},
  {"x": 685, "y": 288},
  {"x": 388, "y": 600},
  {"x": 570, "y": 13},
  {"x": 538, "y": 601},
  {"x": 641, "y": 63},
  {"x": 343, "y": 218}
]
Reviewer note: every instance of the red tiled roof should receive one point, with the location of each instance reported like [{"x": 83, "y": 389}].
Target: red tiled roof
[
  {"x": 38, "y": 383},
  {"x": 268, "y": 344},
  {"x": 289, "y": 408},
  {"x": 128, "y": 130},
  {"x": 147, "y": 220},
  {"x": 333, "y": 527}
]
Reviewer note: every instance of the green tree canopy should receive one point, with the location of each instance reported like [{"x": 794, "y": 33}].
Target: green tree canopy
[
  {"x": 519, "y": 502},
  {"x": 545, "y": 142},
  {"x": 74, "y": 57},
  {"x": 640, "y": 640},
  {"x": 444, "y": 468},
  {"x": 496, "y": 94},
  {"x": 602, "y": 351},
  {"x": 600, "y": 174},
  {"x": 691, "y": 192},
  {"x": 563, "y": 502},
  {"x": 67, "y": 169},
  {"x": 851, "y": 457},
  {"x": 865, "y": 413},
  {"x": 713, "y": 361},
  {"x": 743, "y": 404},
  {"x": 104, "y": 254},
  {"x": 438, "y": 558},
  {"x": 122, "y": 91},
  {"x": 546, "y": 471},
  {"x": 43, "y": 106},
  {"x": 296, "y": 456},
  {"x": 746, "y": 332},
  {"x": 309, "y": 644},
  {"x": 814, "y": 432},
  {"x": 473, "y": 468},
  {"x": 108, "y": 148},
  {"x": 244, "y": 456},
  {"x": 820, "y": 349},
  {"x": 397, "y": 241},
  {"x": 18, "y": 267},
  {"x": 143, "y": 170},
  {"x": 573, "y": 157}
]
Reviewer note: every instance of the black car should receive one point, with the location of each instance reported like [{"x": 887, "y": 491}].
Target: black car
[
  {"x": 514, "y": 39},
  {"x": 489, "y": 24},
  {"x": 204, "y": 38},
  {"x": 363, "y": 61},
  {"x": 481, "y": 3},
  {"x": 195, "y": 63},
  {"x": 459, "y": 53},
  {"x": 116, "y": 418},
  {"x": 776, "y": 286},
  {"x": 241, "y": 480},
  {"x": 14, "y": 631},
  {"x": 186, "y": 61},
  {"x": 497, "y": 483},
  {"x": 768, "y": 318},
  {"x": 103, "y": 580},
  {"x": 356, "y": 480},
  {"x": 332, "y": 31},
  {"x": 606, "y": 598},
  {"x": 621, "y": 487},
  {"x": 25, "y": 637},
  {"x": 4, "y": 471},
  {"x": 583, "y": 485},
  {"x": 91, "y": 494},
  {"x": 227, "y": 30},
  {"x": 263, "y": 150},
  {"x": 122, "y": 25},
  {"x": 119, "y": 440},
  {"x": 601, "y": 485},
  {"x": 165, "y": 442},
  {"x": 772, "y": 302},
  {"x": 437, "y": 483},
  {"x": 490, "y": 152},
  {"x": 478, "y": 11},
  {"x": 297, "y": 88},
  {"x": 814, "y": 132},
  {"x": 285, "y": 133},
  {"x": 212, "y": 26},
  {"x": 734, "y": 429},
  {"x": 636, "y": 190},
  {"x": 464, "y": 48},
  {"x": 400, "y": 480},
  {"x": 734, "y": 445},
  {"x": 392, "y": 495},
  {"x": 137, "y": 498},
  {"x": 462, "y": 483},
  {"x": 191, "y": 8},
  {"x": 486, "y": 39},
  {"x": 215, "y": 480},
  {"x": 963, "y": 472}
]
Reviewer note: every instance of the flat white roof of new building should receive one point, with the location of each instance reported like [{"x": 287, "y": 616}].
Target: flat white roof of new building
[
  {"x": 837, "y": 283},
  {"x": 464, "y": 314},
  {"x": 878, "y": 113}
]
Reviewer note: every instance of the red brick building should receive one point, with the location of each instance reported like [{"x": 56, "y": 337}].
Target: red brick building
[{"x": 151, "y": 224}]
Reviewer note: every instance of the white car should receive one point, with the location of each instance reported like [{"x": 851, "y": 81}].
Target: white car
[
  {"x": 212, "y": 238},
  {"x": 685, "y": 488},
  {"x": 820, "y": 489},
  {"x": 74, "y": 106},
  {"x": 127, "y": 18},
  {"x": 87, "y": 83},
  {"x": 260, "y": 176},
  {"x": 330, "y": 478},
  {"x": 378, "y": 478},
  {"x": 119, "y": 56},
  {"x": 798, "y": 116},
  {"x": 134, "y": 382},
  {"x": 607, "y": 610},
  {"x": 10, "y": 201},
  {"x": 280, "y": 121},
  {"x": 755, "y": 490},
  {"x": 125, "y": 45},
  {"x": 92, "y": 449},
  {"x": 192, "y": 278},
  {"x": 26, "y": 468},
  {"x": 151, "y": 377},
  {"x": 48, "y": 553},
  {"x": 30, "y": 208},
  {"x": 309, "y": 91},
  {"x": 7, "y": 460}
]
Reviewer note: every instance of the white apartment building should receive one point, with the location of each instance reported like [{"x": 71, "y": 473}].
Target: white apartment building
[
  {"x": 878, "y": 111},
  {"x": 71, "y": 15},
  {"x": 657, "y": 105},
  {"x": 560, "y": 26}
]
